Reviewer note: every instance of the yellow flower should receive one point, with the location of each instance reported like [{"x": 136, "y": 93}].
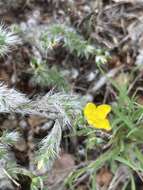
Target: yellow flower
[{"x": 96, "y": 115}]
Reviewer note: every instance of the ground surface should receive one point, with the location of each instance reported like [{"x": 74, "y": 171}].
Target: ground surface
[{"x": 116, "y": 26}]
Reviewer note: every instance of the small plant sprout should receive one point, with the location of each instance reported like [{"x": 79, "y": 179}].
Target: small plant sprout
[
  {"x": 102, "y": 57},
  {"x": 45, "y": 76},
  {"x": 49, "y": 148},
  {"x": 8, "y": 40},
  {"x": 9, "y": 137},
  {"x": 11, "y": 99}
]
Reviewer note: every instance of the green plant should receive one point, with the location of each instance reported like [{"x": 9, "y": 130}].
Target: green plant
[
  {"x": 49, "y": 147},
  {"x": 45, "y": 76},
  {"x": 8, "y": 40},
  {"x": 124, "y": 144},
  {"x": 67, "y": 37},
  {"x": 61, "y": 108}
]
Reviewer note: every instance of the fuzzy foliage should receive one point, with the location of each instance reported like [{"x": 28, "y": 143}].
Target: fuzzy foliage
[{"x": 8, "y": 40}]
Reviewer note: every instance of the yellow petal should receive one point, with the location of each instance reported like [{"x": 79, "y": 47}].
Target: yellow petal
[
  {"x": 102, "y": 111},
  {"x": 96, "y": 116},
  {"x": 102, "y": 124},
  {"x": 89, "y": 111}
]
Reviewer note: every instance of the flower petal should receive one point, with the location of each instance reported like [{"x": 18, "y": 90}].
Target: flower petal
[
  {"x": 102, "y": 111},
  {"x": 102, "y": 124},
  {"x": 90, "y": 111}
]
